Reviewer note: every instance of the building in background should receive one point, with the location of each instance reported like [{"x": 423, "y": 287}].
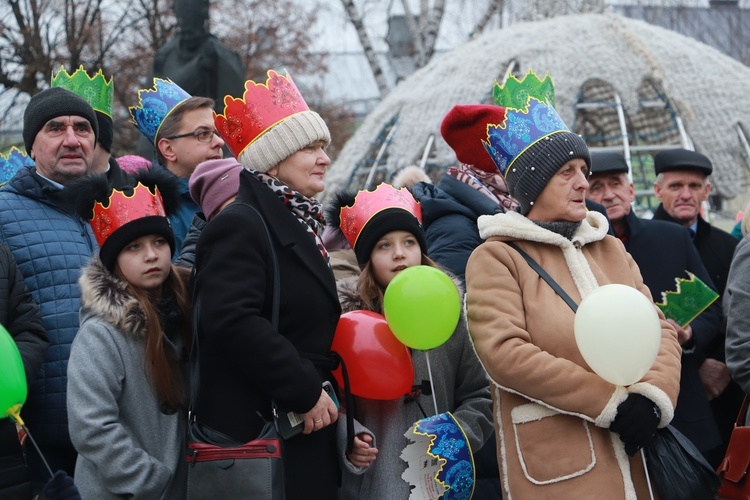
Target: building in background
[{"x": 623, "y": 84}]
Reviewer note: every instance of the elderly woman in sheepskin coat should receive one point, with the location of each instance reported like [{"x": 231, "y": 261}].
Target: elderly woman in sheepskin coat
[{"x": 562, "y": 431}]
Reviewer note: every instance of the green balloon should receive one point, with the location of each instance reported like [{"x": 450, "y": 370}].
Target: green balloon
[
  {"x": 13, "y": 389},
  {"x": 422, "y": 307}
]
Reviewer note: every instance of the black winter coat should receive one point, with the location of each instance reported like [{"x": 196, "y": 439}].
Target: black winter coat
[
  {"x": 186, "y": 256},
  {"x": 21, "y": 318},
  {"x": 244, "y": 361},
  {"x": 716, "y": 248},
  {"x": 663, "y": 252}
]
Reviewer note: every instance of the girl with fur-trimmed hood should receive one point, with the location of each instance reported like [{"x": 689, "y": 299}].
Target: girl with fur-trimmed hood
[
  {"x": 127, "y": 393},
  {"x": 385, "y": 230},
  {"x": 562, "y": 430}
]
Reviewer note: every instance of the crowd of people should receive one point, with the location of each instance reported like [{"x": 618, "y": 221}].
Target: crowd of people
[{"x": 111, "y": 269}]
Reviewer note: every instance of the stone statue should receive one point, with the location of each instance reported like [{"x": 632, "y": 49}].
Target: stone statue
[{"x": 197, "y": 61}]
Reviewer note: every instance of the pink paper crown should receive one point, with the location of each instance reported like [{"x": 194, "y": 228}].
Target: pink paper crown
[
  {"x": 261, "y": 107},
  {"x": 367, "y": 204}
]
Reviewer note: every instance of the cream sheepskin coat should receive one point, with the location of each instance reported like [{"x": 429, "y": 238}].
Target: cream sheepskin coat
[{"x": 552, "y": 412}]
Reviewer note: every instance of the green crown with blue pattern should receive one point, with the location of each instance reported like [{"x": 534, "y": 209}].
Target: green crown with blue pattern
[{"x": 530, "y": 116}]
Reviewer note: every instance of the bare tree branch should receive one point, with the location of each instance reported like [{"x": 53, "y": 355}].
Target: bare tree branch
[
  {"x": 414, "y": 28},
  {"x": 430, "y": 31},
  {"x": 493, "y": 7},
  {"x": 364, "y": 39}
]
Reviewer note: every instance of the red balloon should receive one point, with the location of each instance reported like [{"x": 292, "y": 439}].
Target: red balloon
[{"x": 378, "y": 364}]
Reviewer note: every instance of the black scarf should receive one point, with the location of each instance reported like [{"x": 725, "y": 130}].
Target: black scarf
[{"x": 563, "y": 228}]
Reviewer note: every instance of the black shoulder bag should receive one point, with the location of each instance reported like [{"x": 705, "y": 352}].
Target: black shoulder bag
[
  {"x": 219, "y": 466},
  {"x": 677, "y": 469}
]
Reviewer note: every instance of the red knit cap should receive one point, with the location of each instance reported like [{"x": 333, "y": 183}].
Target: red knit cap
[{"x": 465, "y": 127}]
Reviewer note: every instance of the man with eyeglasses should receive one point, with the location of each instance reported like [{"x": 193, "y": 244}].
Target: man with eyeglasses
[
  {"x": 50, "y": 245},
  {"x": 185, "y": 137}
]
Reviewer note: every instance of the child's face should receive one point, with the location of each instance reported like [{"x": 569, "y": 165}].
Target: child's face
[
  {"x": 393, "y": 253},
  {"x": 145, "y": 262}
]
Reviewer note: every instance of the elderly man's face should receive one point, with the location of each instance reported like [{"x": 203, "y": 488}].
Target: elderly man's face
[
  {"x": 63, "y": 150},
  {"x": 681, "y": 193},
  {"x": 614, "y": 192}
]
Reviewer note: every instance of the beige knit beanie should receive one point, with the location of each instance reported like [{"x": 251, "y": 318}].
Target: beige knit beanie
[{"x": 283, "y": 140}]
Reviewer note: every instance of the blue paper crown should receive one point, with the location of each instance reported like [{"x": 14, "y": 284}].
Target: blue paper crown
[
  {"x": 154, "y": 106},
  {"x": 12, "y": 163},
  {"x": 451, "y": 446},
  {"x": 529, "y": 117}
]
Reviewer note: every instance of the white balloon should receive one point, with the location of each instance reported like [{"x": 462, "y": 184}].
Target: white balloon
[{"x": 618, "y": 333}]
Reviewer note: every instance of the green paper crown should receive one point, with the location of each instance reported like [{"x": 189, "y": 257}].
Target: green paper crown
[
  {"x": 691, "y": 298},
  {"x": 516, "y": 93},
  {"x": 96, "y": 90}
]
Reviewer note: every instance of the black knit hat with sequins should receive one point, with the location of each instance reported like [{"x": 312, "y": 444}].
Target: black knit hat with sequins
[{"x": 532, "y": 169}]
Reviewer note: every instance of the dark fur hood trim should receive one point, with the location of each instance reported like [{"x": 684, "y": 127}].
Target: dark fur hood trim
[
  {"x": 81, "y": 195},
  {"x": 339, "y": 199},
  {"x": 105, "y": 295}
]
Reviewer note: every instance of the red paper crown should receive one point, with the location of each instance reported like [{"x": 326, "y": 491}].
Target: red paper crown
[
  {"x": 367, "y": 204},
  {"x": 262, "y": 106},
  {"x": 123, "y": 209}
]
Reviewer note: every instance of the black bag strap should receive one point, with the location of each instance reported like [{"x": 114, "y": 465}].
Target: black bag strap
[
  {"x": 546, "y": 277},
  {"x": 194, "y": 364}
]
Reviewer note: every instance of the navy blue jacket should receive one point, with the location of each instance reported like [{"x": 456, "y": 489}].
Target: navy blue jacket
[
  {"x": 50, "y": 245},
  {"x": 450, "y": 211},
  {"x": 183, "y": 217}
]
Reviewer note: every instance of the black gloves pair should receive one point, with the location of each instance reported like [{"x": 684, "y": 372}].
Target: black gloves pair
[
  {"x": 60, "y": 487},
  {"x": 636, "y": 422}
]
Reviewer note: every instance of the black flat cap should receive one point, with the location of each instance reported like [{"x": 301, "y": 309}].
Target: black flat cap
[
  {"x": 607, "y": 163},
  {"x": 682, "y": 159}
]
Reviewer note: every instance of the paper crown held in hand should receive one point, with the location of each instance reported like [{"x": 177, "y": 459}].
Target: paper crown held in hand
[{"x": 691, "y": 298}]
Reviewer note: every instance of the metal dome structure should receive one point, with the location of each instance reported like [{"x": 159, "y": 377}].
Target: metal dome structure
[{"x": 621, "y": 83}]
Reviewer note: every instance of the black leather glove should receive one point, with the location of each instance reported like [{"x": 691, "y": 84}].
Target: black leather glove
[
  {"x": 636, "y": 422},
  {"x": 60, "y": 487}
]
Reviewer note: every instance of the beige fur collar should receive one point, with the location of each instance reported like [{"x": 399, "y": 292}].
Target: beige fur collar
[{"x": 104, "y": 294}]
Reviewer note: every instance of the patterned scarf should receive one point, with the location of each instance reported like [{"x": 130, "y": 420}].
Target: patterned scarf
[
  {"x": 309, "y": 211},
  {"x": 490, "y": 184}
]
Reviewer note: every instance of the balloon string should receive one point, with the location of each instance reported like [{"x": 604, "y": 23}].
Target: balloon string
[
  {"x": 432, "y": 384},
  {"x": 28, "y": 435},
  {"x": 648, "y": 480}
]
